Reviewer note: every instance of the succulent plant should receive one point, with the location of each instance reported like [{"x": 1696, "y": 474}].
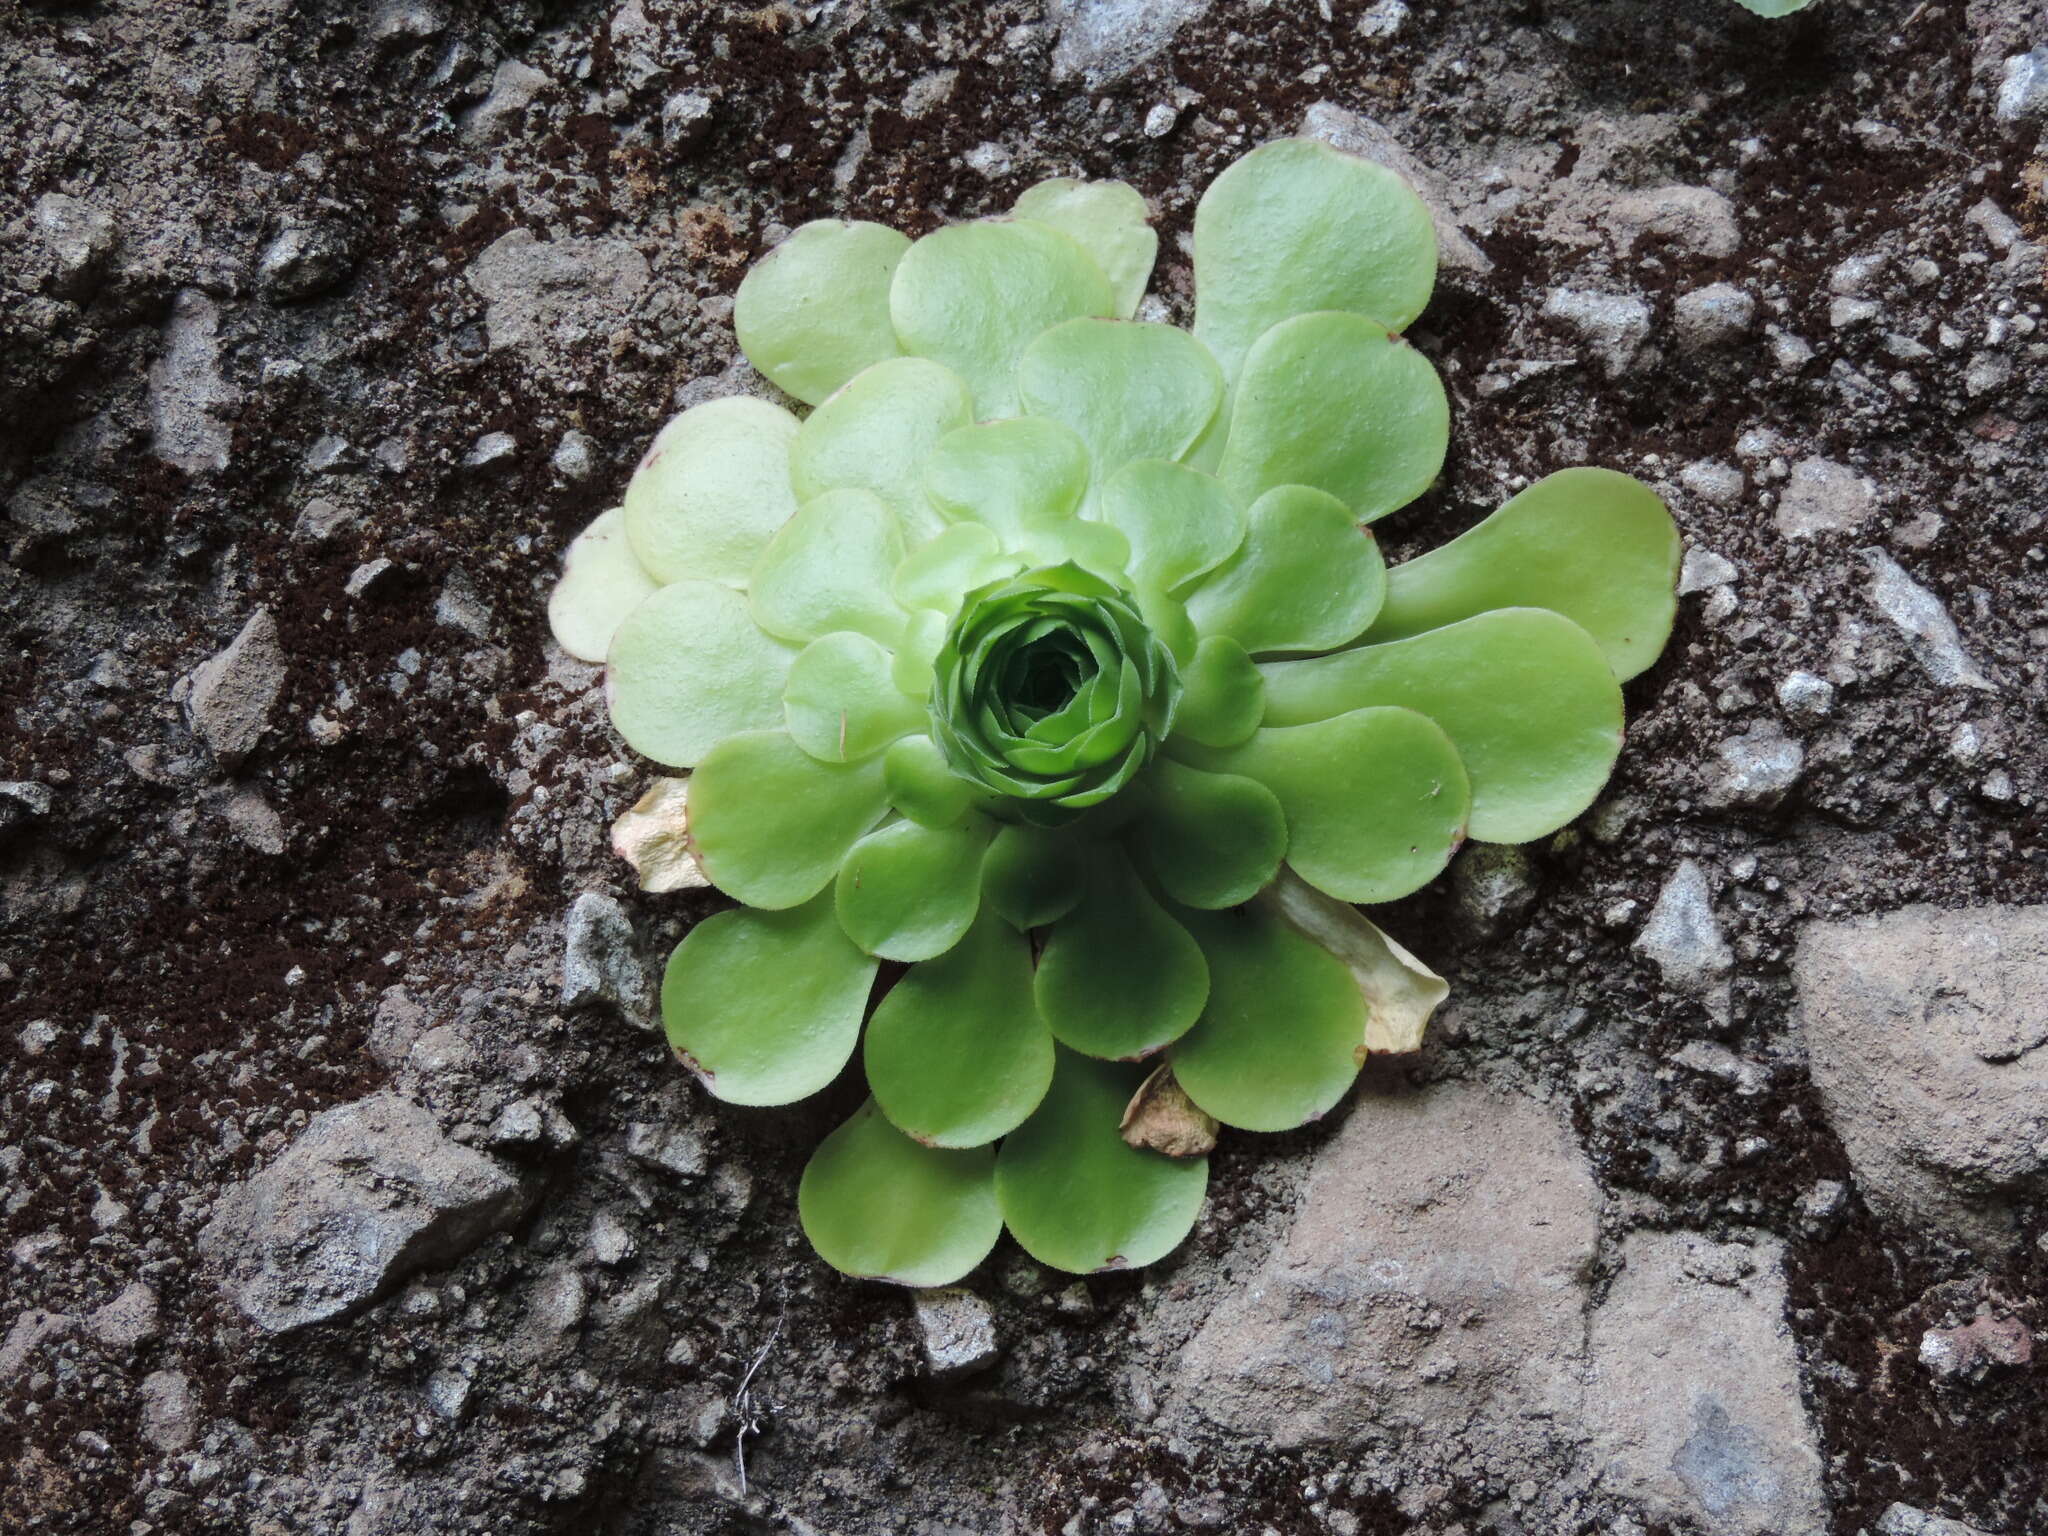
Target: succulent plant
[
  {"x": 1050, "y": 660},
  {"x": 1774, "y": 7}
]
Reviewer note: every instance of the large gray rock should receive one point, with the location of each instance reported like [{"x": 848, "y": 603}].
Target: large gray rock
[
  {"x": 1694, "y": 1400},
  {"x": 235, "y": 693},
  {"x": 1435, "y": 1275},
  {"x": 370, "y": 1192},
  {"x": 1925, "y": 1030},
  {"x": 543, "y": 293},
  {"x": 1101, "y": 40},
  {"x": 187, "y": 394}
]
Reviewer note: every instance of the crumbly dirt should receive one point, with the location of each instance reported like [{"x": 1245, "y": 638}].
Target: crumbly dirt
[{"x": 442, "y": 791}]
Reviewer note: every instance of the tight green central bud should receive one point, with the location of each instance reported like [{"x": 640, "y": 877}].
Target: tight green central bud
[{"x": 1052, "y": 691}]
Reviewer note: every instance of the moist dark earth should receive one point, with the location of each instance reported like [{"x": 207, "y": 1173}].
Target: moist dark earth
[{"x": 339, "y": 320}]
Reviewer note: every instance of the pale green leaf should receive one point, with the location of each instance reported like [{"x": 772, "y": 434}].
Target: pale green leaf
[
  {"x": 1075, "y": 1195},
  {"x": 1592, "y": 544},
  {"x": 765, "y": 1007},
  {"x": 1180, "y": 522},
  {"x": 1297, "y": 226},
  {"x": 1108, "y": 220},
  {"x": 973, "y": 296},
  {"x": 688, "y": 668},
  {"x": 1524, "y": 694},
  {"x": 924, "y": 787},
  {"x": 878, "y": 1206},
  {"x": 1212, "y": 839},
  {"x": 712, "y": 490},
  {"x": 1015, "y": 477},
  {"x": 1132, "y": 390},
  {"x": 1331, "y": 400},
  {"x": 1119, "y": 977},
  {"x": 1306, "y": 578},
  {"x": 841, "y": 702},
  {"x": 828, "y": 569},
  {"x": 956, "y": 1054},
  {"x": 1223, "y": 697},
  {"x": 908, "y": 892},
  {"x": 772, "y": 823},
  {"x": 875, "y": 434},
  {"x": 815, "y": 310},
  {"x": 601, "y": 583}
]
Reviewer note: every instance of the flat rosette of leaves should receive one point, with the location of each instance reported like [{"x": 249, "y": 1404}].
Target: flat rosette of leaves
[{"x": 1051, "y": 656}]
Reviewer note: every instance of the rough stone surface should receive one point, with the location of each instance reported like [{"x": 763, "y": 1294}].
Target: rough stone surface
[
  {"x": 601, "y": 960},
  {"x": 1717, "y": 315},
  {"x": 1757, "y": 769},
  {"x": 1824, "y": 497},
  {"x": 1694, "y": 1399},
  {"x": 1613, "y": 326},
  {"x": 1924, "y": 623},
  {"x": 1683, "y": 937},
  {"x": 1441, "y": 1287},
  {"x": 957, "y": 1330},
  {"x": 1926, "y": 1031},
  {"x": 170, "y": 1416},
  {"x": 235, "y": 693},
  {"x": 554, "y": 293},
  {"x": 1103, "y": 40},
  {"x": 369, "y": 1192}
]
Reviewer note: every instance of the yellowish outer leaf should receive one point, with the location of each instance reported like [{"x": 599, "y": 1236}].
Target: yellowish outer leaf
[
  {"x": 1400, "y": 991},
  {"x": 1162, "y": 1118},
  {"x": 654, "y": 837}
]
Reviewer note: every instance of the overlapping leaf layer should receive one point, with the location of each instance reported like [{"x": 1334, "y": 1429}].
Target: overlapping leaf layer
[{"x": 1052, "y": 656}]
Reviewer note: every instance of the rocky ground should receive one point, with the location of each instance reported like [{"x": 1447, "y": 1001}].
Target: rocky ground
[{"x": 346, "y": 1188}]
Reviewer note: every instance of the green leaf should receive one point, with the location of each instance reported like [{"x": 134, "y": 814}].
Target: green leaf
[
  {"x": 688, "y": 668},
  {"x": 815, "y": 310},
  {"x": 765, "y": 1007},
  {"x": 1594, "y": 545},
  {"x": 1224, "y": 697},
  {"x": 1523, "y": 693},
  {"x": 908, "y": 892},
  {"x": 924, "y": 787},
  {"x": 875, "y": 434},
  {"x": 1108, "y": 220},
  {"x": 1212, "y": 839},
  {"x": 1283, "y": 1035},
  {"x": 772, "y": 823},
  {"x": 956, "y": 1054},
  {"x": 1075, "y": 1196},
  {"x": 1306, "y": 577},
  {"x": 1375, "y": 800},
  {"x": 1180, "y": 522},
  {"x": 973, "y": 296},
  {"x": 1119, "y": 978},
  {"x": 1016, "y": 477},
  {"x": 1774, "y": 7},
  {"x": 937, "y": 575},
  {"x": 1132, "y": 390},
  {"x": 1032, "y": 876},
  {"x": 712, "y": 490},
  {"x": 923, "y": 638},
  {"x": 878, "y": 1206},
  {"x": 1297, "y": 226},
  {"x": 841, "y": 703},
  {"x": 601, "y": 583},
  {"x": 828, "y": 569},
  {"x": 1332, "y": 400}
]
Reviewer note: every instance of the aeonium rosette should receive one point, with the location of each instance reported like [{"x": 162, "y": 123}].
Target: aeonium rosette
[{"x": 1051, "y": 656}]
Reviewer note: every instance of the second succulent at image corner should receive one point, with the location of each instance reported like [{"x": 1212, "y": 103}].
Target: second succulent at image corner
[{"x": 1050, "y": 659}]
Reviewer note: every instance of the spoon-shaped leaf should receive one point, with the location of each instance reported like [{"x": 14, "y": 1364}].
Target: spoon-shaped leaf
[
  {"x": 1119, "y": 977},
  {"x": 772, "y": 823},
  {"x": 690, "y": 667},
  {"x": 1015, "y": 477},
  {"x": 1224, "y": 697},
  {"x": 1334, "y": 401},
  {"x": 937, "y": 575},
  {"x": 765, "y": 1007},
  {"x": 1075, "y": 1196},
  {"x": 1306, "y": 577},
  {"x": 1132, "y": 390},
  {"x": 923, "y": 786},
  {"x": 1032, "y": 876},
  {"x": 841, "y": 704},
  {"x": 908, "y": 892},
  {"x": 973, "y": 296},
  {"x": 712, "y": 490},
  {"x": 875, "y": 434},
  {"x": 1212, "y": 839},
  {"x": 1523, "y": 693},
  {"x": 828, "y": 569},
  {"x": 956, "y": 1054},
  {"x": 877, "y": 1205},
  {"x": 1179, "y": 521},
  {"x": 1283, "y": 1034},
  {"x": 1376, "y": 800},
  {"x": 1592, "y": 544},
  {"x": 815, "y": 310},
  {"x": 601, "y": 583},
  {"x": 1297, "y": 226},
  {"x": 1108, "y": 220}
]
